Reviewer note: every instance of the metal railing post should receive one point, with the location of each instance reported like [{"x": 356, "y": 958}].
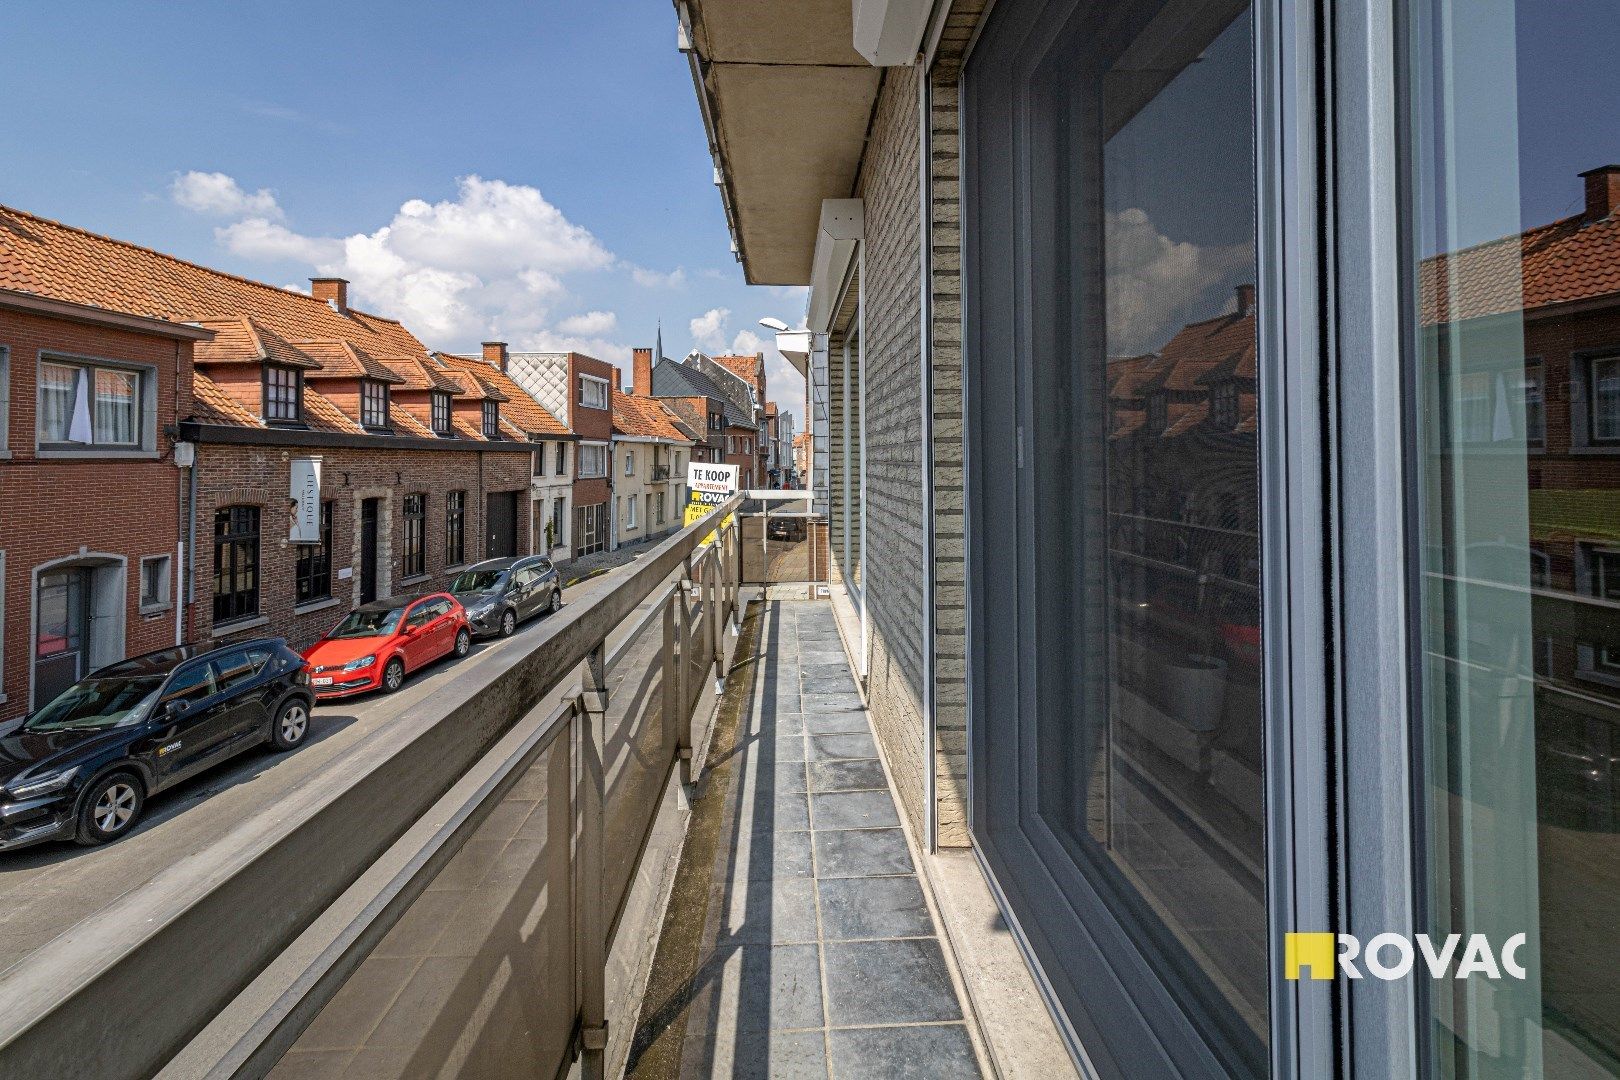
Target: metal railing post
[
  {"x": 713, "y": 589},
  {"x": 591, "y": 913}
]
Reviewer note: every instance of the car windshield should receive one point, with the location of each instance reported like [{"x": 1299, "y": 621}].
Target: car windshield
[
  {"x": 471, "y": 581},
  {"x": 368, "y": 624},
  {"x": 98, "y": 703}
]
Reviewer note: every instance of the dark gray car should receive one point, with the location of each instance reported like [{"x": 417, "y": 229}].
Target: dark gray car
[{"x": 500, "y": 593}]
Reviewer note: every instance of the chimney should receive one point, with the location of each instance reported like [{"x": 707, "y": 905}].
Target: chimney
[
  {"x": 1602, "y": 192},
  {"x": 495, "y": 354},
  {"x": 641, "y": 372},
  {"x": 334, "y": 291},
  {"x": 1245, "y": 300},
  {"x": 618, "y": 378}
]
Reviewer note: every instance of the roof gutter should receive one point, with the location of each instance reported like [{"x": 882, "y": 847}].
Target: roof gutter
[
  {"x": 34, "y": 304},
  {"x": 220, "y": 434}
]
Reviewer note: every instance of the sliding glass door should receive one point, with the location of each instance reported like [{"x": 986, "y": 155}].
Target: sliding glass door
[
  {"x": 1118, "y": 743},
  {"x": 1513, "y": 363}
]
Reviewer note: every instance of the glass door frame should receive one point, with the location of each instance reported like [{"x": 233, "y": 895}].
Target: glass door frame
[{"x": 1336, "y": 660}]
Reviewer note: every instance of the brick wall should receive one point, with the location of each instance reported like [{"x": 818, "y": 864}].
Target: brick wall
[
  {"x": 945, "y": 352},
  {"x": 113, "y": 511},
  {"x": 891, "y": 355},
  {"x": 258, "y": 475}
]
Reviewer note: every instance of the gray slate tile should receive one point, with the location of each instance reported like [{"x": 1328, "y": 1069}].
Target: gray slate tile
[
  {"x": 759, "y": 912},
  {"x": 853, "y": 810},
  {"x": 847, "y": 775},
  {"x": 830, "y": 747},
  {"x": 835, "y": 722},
  {"x": 777, "y": 1055},
  {"x": 861, "y": 853},
  {"x": 935, "y": 1052},
  {"x": 888, "y": 982},
  {"x": 874, "y": 907}
]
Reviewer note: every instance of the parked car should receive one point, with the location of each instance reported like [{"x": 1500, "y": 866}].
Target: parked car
[
  {"x": 500, "y": 593},
  {"x": 85, "y": 764},
  {"x": 377, "y": 644}
]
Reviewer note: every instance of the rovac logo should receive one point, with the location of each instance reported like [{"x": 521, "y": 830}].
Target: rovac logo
[{"x": 1395, "y": 956}]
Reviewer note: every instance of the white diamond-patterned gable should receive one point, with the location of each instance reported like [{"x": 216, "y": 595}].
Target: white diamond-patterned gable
[{"x": 544, "y": 377}]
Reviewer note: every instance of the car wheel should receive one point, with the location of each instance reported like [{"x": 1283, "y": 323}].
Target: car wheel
[
  {"x": 508, "y": 623},
  {"x": 556, "y": 599},
  {"x": 464, "y": 639},
  {"x": 393, "y": 675},
  {"x": 291, "y": 726},
  {"x": 110, "y": 809}
]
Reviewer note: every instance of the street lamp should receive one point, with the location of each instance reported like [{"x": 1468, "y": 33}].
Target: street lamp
[{"x": 773, "y": 324}]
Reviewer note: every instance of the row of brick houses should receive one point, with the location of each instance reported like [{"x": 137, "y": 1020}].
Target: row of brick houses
[{"x": 188, "y": 455}]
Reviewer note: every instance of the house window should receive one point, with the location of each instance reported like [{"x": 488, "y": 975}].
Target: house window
[
  {"x": 1158, "y": 413},
  {"x": 86, "y": 405},
  {"x": 593, "y": 392},
  {"x": 373, "y": 404},
  {"x": 593, "y": 461},
  {"x": 313, "y": 572},
  {"x": 236, "y": 562},
  {"x": 1224, "y": 405},
  {"x": 1605, "y": 390},
  {"x": 714, "y": 421},
  {"x": 455, "y": 528},
  {"x": 1535, "y": 403},
  {"x": 155, "y": 582},
  {"x": 415, "y": 561},
  {"x": 5, "y": 413},
  {"x": 283, "y": 395},
  {"x": 630, "y": 513},
  {"x": 441, "y": 413},
  {"x": 662, "y": 509},
  {"x": 629, "y": 463},
  {"x": 562, "y": 459},
  {"x": 557, "y": 520},
  {"x": 492, "y": 420}
]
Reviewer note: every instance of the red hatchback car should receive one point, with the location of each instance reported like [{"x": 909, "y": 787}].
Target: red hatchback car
[{"x": 377, "y": 643}]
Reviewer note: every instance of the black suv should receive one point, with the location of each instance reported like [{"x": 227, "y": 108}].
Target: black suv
[
  {"x": 84, "y": 765},
  {"x": 500, "y": 593}
]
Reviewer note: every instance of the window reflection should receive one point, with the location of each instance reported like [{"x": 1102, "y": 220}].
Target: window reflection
[
  {"x": 1150, "y": 734},
  {"x": 1516, "y": 356}
]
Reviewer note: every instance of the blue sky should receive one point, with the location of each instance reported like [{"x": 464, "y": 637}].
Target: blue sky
[{"x": 535, "y": 171}]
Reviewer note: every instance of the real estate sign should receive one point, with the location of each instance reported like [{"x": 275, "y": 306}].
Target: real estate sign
[
  {"x": 710, "y": 485},
  {"x": 304, "y": 501}
]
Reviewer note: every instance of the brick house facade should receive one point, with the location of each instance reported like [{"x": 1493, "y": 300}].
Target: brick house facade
[
  {"x": 577, "y": 389},
  {"x": 89, "y": 540}
]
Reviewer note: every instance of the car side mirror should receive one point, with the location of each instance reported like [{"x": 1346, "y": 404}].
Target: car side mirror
[
  {"x": 177, "y": 707},
  {"x": 412, "y": 630}
]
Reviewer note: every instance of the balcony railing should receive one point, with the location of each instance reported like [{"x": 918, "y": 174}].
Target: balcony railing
[
  {"x": 523, "y": 805},
  {"x": 659, "y": 472}
]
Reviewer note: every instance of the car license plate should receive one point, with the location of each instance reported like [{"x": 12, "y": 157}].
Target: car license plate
[{"x": 323, "y": 680}]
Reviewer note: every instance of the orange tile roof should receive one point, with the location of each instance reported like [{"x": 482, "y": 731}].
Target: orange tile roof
[
  {"x": 47, "y": 258},
  {"x": 747, "y": 368},
  {"x": 528, "y": 414},
  {"x": 322, "y": 414},
  {"x": 1199, "y": 348},
  {"x": 241, "y": 340},
  {"x": 343, "y": 359},
  {"x": 405, "y": 422},
  {"x": 1569, "y": 259},
  {"x": 644, "y": 417},
  {"x": 214, "y": 406}
]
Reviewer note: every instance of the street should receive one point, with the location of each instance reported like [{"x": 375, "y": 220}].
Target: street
[{"x": 47, "y": 890}]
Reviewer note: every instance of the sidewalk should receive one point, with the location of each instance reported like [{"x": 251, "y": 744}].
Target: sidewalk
[{"x": 798, "y": 942}]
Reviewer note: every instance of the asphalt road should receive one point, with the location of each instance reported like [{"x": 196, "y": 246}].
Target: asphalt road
[{"x": 46, "y": 890}]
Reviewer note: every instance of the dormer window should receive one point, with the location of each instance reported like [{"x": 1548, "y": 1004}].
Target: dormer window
[
  {"x": 283, "y": 395},
  {"x": 441, "y": 414},
  {"x": 1223, "y": 405},
  {"x": 492, "y": 420},
  {"x": 1158, "y": 413},
  {"x": 373, "y": 405}
]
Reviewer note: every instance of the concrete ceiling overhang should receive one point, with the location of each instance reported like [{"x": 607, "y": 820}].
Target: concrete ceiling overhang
[{"x": 788, "y": 101}]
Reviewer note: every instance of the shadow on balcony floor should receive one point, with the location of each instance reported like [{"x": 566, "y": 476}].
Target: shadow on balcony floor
[{"x": 797, "y": 942}]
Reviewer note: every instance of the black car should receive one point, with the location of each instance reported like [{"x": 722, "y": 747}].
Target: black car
[
  {"x": 84, "y": 765},
  {"x": 500, "y": 593}
]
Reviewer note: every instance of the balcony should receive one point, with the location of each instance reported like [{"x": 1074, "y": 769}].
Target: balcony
[
  {"x": 657, "y": 473},
  {"x": 656, "y": 836}
]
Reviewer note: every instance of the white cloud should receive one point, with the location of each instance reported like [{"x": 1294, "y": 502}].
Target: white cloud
[
  {"x": 259, "y": 238},
  {"x": 709, "y": 329},
  {"x": 1157, "y": 285},
  {"x": 590, "y": 323},
  {"x": 493, "y": 260},
  {"x": 652, "y": 279},
  {"x": 220, "y": 195},
  {"x": 549, "y": 340}
]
